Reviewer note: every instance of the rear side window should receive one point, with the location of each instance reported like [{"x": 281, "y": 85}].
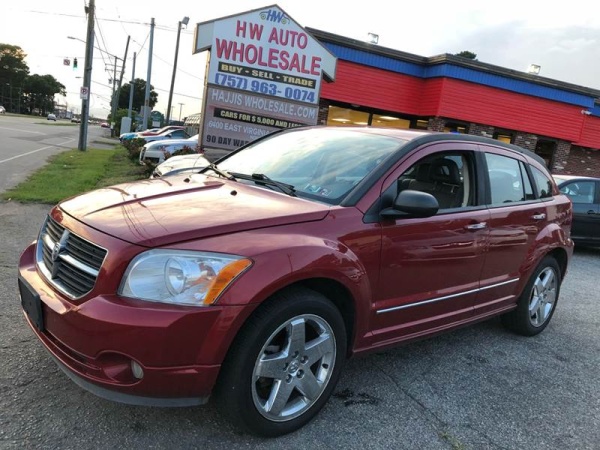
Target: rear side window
[
  {"x": 542, "y": 182},
  {"x": 506, "y": 180},
  {"x": 529, "y": 195}
]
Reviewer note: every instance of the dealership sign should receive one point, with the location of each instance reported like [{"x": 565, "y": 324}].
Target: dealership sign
[{"x": 264, "y": 74}]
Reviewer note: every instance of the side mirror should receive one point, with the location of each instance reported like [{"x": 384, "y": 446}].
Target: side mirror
[{"x": 411, "y": 203}]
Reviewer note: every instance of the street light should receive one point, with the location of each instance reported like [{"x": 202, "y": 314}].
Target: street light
[
  {"x": 180, "y": 105},
  {"x": 184, "y": 21}
]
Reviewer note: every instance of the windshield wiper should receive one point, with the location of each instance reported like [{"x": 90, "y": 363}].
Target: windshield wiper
[
  {"x": 261, "y": 178},
  {"x": 218, "y": 171}
]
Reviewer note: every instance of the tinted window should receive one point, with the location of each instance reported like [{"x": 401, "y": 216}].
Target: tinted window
[
  {"x": 446, "y": 176},
  {"x": 580, "y": 191},
  {"x": 506, "y": 181},
  {"x": 543, "y": 183}
]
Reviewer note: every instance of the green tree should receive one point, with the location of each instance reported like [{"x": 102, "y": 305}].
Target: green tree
[
  {"x": 139, "y": 92},
  {"x": 467, "y": 54},
  {"x": 40, "y": 90},
  {"x": 118, "y": 116},
  {"x": 13, "y": 71}
]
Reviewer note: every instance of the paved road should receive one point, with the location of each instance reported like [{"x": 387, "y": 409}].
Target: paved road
[
  {"x": 477, "y": 388},
  {"x": 26, "y": 143}
]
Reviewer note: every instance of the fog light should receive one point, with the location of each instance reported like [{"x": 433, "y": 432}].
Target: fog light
[{"x": 137, "y": 370}]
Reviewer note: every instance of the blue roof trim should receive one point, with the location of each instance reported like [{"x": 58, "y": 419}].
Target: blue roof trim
[
  {"x": 460, "y": 73},
  {"x": 379, "y": 61}
]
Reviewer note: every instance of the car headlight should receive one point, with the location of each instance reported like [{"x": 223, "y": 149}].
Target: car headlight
[{"x": 181, "y": 277}]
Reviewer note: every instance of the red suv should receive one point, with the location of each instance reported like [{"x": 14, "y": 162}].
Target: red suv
[{"x": 255, "y": 279}]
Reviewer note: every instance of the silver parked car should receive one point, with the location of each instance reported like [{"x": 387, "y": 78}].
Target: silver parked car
[
  {"x": 155, "y": 151},
  {"x": 180, "y": 164}
]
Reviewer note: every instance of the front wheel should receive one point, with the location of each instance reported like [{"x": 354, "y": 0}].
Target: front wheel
[
  {"x": 284, "y": 364},
  {"x": 537, "y": 303}
]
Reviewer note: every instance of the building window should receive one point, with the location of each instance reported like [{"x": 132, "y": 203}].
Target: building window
[
  {"x": 456, "y": 128},
  {"x": 420, "y": 124},
  {"x": 503, "y": 137},
  {"x": 346, "y": 117},
  {"x": 379, "y": 120},
  {"x": 546, "y": 149}
]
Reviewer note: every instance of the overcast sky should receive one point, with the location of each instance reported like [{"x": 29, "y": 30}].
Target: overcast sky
[{"x": 563, "y": 38}]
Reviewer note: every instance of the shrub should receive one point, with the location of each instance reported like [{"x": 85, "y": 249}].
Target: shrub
[{"x": 133, "y": 147}]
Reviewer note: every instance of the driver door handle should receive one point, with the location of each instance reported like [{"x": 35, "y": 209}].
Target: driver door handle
[
  {"x": 540, "y": 216},
  {"x": 476, "y": 226}
]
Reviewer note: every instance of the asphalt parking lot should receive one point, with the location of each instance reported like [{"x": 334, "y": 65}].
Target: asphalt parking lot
[{"x": 477, "y": 388}]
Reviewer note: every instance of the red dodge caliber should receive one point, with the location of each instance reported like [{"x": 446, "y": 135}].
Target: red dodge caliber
[{"x": 256, "y": 278}]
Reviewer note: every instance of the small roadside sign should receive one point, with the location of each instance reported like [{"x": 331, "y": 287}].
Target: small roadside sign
[{"x": 84, "y": 93}]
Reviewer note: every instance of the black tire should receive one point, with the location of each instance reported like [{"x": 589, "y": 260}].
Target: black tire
[
  {"x": 537, "y": 302},
  {"x": 271, "y": 381}
]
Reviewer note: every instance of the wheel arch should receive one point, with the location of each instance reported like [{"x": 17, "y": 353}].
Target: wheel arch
[
  {"x": 342, "y": 299},
  {"x": 333, "y": 290},
  {"x": 562, "y": 258}
]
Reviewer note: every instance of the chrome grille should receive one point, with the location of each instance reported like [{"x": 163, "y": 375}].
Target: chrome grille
[{"x": 68, "y": 261}]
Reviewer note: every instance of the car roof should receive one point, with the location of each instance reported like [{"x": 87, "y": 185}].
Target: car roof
[
  {"x": 573, "y": 177},
  {"x": 420, "y": 137}
]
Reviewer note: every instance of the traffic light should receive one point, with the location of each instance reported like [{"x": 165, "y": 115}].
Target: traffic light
[{"x": 74, "y": 63}]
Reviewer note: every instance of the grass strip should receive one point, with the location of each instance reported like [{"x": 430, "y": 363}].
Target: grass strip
[{"x": 73, "y": 172}]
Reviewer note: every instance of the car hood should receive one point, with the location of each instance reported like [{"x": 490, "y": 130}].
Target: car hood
[{"x": 166, "y": 211}]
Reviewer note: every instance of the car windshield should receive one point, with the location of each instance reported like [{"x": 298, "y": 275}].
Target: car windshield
[{"x": 322, "y": 164}]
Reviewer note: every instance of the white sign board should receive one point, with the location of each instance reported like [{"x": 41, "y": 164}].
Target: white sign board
[
  {"x": 265, "y": 74},
  {"x": 84, "y": 93}
]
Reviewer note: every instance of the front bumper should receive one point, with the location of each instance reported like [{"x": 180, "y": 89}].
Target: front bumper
[{"x": 98, "y": 342}]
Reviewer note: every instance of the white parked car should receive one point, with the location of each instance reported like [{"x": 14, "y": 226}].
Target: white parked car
[
  {"x": 171, "y": 134},
  {"x": 155, "y": 151},
  {"x": 2, "y": 110},
  {"x": 51, "y": 117},
  {"x": 180, "y": 164}
]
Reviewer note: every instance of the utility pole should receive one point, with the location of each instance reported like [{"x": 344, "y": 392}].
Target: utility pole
[
  {"x": 185, "y": 22},
  {"x": 113, "y": 102},
  {"x": 148, "y": 76},
  {"x": 180, "y": 106},
  {"x": 131, "y": 86},
  {"x": 118, "y": 90},
  {"x": 87, "y": 78}
]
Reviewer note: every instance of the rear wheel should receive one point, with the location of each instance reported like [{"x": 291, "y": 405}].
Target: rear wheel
[
  {"x": 284, "y": 364},
  {"x": 538, "y": 300}
]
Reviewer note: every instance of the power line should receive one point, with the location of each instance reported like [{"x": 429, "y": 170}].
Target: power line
[
  {"x": 77, "y": 16},
  {"x": 141, "y": 45},
  {"x": 178, "y": 70},
  {"x": 177, "y": 93}
]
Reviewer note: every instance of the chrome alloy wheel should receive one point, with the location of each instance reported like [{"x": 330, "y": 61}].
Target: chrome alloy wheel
[
  {"x": 293, "y": 367},
  {"x": 543, "y": 297}
]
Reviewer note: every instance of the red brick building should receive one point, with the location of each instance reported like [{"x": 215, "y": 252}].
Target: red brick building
[{"x": 378, "y": 86}]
